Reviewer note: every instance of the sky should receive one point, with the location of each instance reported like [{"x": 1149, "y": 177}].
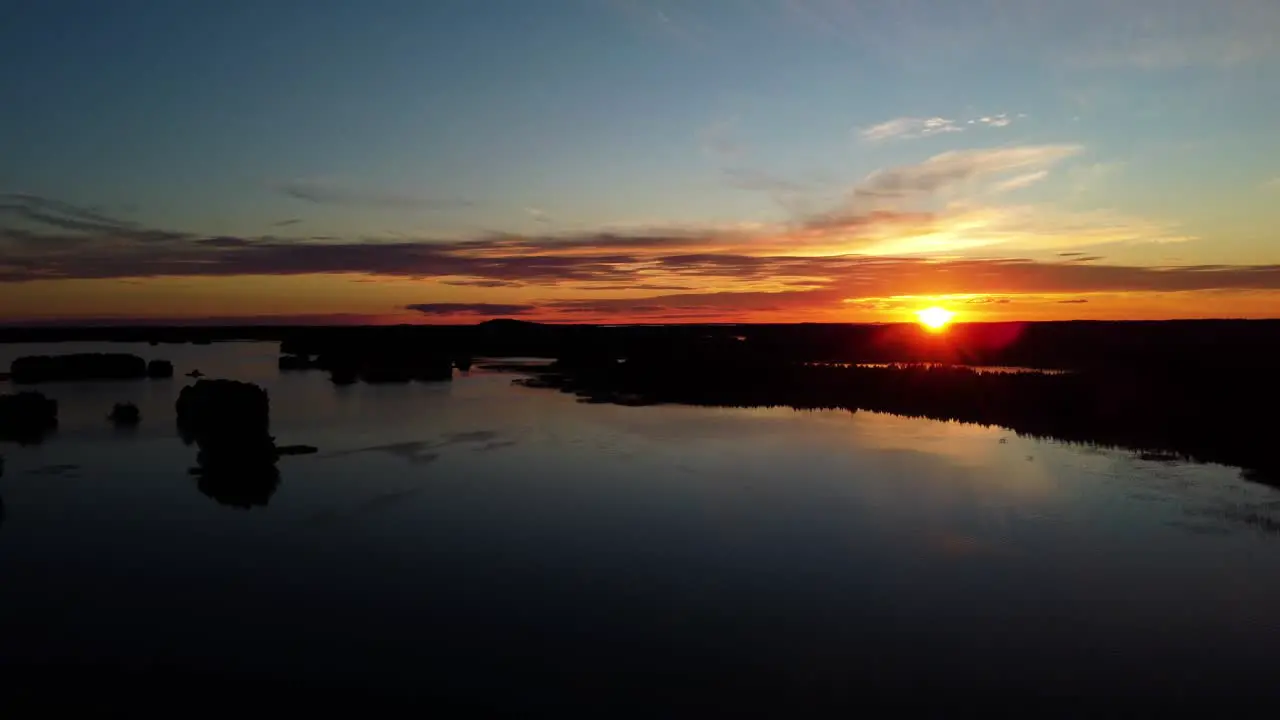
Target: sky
[{"x": 400, "y": 161}]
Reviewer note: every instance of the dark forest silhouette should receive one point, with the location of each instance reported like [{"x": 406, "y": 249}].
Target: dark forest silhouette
[
  {"x": 1075, "y": 345},
  {"x": 1221, "y": 419},
  {"x": 1201, "y": 390}
]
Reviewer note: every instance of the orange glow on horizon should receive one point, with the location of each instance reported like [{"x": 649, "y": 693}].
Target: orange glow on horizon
[
  {"x": 935, "y": 319},
  {"x": 358, "y": 299}
]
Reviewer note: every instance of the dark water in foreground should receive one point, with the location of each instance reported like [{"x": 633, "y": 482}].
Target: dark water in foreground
[{"x": 504, "y": 545}]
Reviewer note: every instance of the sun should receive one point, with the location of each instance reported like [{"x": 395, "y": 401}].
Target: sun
[{"x": 935, "y": 318}]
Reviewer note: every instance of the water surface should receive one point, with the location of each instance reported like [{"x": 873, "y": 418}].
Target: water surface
[{"x": 481, "y": 537}]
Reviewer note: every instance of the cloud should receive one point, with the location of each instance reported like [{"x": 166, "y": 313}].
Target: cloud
[
  {"x": 331, "y": 192},
  {"x": 1020, "y": 182},
  {"x": 795, "y": 197},
  {"x": 905, "y": 128},
  {"x": 483, "y": 283},
  {"x": 721, "y": 144},
  {"x": 1079, "y": 256},
  {"x": 25, "y": 220},
  {"x": 950, "y": 170},
  {"x": 908, "y": 127},
  {"x": 286, "y": 223},
  {"x": 53, "y": 213},
  {"x": 488, "y": 309},
  {"x": 538, "y": 215},
  {"x": 223, "y": 241}
]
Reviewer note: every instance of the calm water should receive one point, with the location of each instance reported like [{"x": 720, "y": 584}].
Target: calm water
[{"x": 493, "y": 541}]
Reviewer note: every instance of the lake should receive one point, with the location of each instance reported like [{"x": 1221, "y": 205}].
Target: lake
[{"x": 510, "y": 547}]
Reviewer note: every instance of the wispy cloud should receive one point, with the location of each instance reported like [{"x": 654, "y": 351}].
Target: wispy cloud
[
  {"x": 949, "y": 170},
  {"x": 995, "y": 121},
  {"x": 1020, "y": 182},
  {"x": 48, "y": 212},
  {"x": 796, "y": 197},
  {"x": 481, "y": 282},
  {"x": 486, "y": 309},
  {"x": 323, "y": 191},
  {"x": 538, "y": 215},
  {"x": 907, "y": 128},
  {"x": 722, "y": 145}
]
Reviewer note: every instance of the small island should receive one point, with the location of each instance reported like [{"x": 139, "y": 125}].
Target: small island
[
  {"x": 33, "y": 369},
  {"x": 125, "y": 415},
  {"x": 229, "y": 421},
  {"x": 27, "y": 417}
]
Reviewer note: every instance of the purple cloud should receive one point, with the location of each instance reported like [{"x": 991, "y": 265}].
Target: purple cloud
[{"x": 471, "y": 309}]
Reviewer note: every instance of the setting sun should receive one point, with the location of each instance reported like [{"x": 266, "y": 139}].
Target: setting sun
[{"x": 935, "y": 318}]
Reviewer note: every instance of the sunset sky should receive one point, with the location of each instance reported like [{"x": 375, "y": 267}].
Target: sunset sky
[{"x": 638, "y": 160}]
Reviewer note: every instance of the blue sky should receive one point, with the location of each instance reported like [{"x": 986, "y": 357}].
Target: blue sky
[{"x": 458, "y": 118}]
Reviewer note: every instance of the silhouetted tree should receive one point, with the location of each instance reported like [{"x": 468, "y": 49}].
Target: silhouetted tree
[
  {"x": 294, "y": 362},
  {"x": 159, "y": 369},
  {"x": 125, "y": 414},
  {"x": 27, "y": 417},
  {"x": 79, "y": 366},
  {"x": 230, "y": 422}
]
